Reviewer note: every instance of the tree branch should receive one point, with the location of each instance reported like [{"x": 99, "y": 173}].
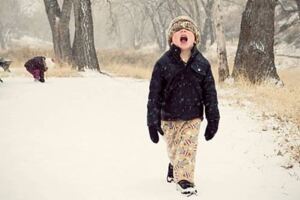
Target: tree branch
[
  {"x": 181, "y": 7},
  {"x": 234, "y": 2},
  {"x": 289, "y": 56},
  {"x": 285, "y": 9},
  {"x": 66, "y": 10}
]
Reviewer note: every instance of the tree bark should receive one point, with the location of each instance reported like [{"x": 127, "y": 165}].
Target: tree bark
[
  {"x": 2, "y": 37},
  {"x": 159, "y": 27},
  {"x": 191, "y": 9},
  {"x": 162, "y": 32},
  {"x": 298, "y": 6},
  {"x": 113, "y": 24},
  {"x": 59, "y": 20},
  {"x": 158, "y": 34},
  {"x": 197, "y": 14},
  {"x": 78, "y": 47},
  {"x": 174, "y": 10},
  {"x": 84, "y": 51},
  {"x": 208, "y": 30},
  {"x": 254, "y": 59},
  {"x": 221, "y": 44}
]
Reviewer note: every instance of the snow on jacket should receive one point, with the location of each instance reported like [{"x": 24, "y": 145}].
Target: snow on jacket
[{"x": 181, "y": 91}]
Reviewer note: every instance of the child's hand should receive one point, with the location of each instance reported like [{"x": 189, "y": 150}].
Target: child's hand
[
  {"x": 153, "y": 130},
  {"x": 211, "y": 129}
]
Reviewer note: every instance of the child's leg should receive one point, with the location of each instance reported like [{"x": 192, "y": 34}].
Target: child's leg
[
  {"x": 41, "y": 74},
  {"x": 185, "y": 155},
  {"x": 170, "y": 129},
  {"x": 182, "y": 140}
]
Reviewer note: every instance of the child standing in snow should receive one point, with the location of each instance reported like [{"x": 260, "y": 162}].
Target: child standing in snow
[
  {"x": 37, "y": 67},
  {"x": 182, "y": 85}
]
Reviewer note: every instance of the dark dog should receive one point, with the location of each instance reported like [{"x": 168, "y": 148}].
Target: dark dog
[{"x": 5, "y": 65}]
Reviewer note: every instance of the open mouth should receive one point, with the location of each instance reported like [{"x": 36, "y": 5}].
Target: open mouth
[{"x": 183, "y": 38}]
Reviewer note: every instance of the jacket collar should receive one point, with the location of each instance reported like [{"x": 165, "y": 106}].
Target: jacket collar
[{"x": 175, "y": 53}]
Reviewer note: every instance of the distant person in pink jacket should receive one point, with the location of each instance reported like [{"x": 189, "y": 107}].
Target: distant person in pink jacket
[{"x": 37, "y": 67}]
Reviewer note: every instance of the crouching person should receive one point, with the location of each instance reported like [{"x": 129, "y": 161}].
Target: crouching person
[{"x": 37, "y": 67}]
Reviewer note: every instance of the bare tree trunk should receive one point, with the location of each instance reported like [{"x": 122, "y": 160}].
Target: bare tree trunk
[
  {"x": 204, "y": 35},
  {"x": 78, "y": 47},
  {"x": 191, "y": 9},
  {"x": 188, "y": 10},
  {"x": 254, "y": 59},
  {"x": 2, "y": 43},
  {"x": 210, "y": 4},
  {"x": 220, "y": 37},
  {"x": 2, "y": 37},
  {"x": 138, "y": 20},
  {"x": 59, "y": 20},
  {"x": 162, "y": 31},
  {"x": 84, "y": 50},
  {"x": 173, "y": 8},
  {"x": 298, "y": 6},
  {"x": 139, "y": 33},
  {"x": 113, "y": 24},
  {"x": 159, "y": 27},
  {"x": 208, "y": 30},
  {"x": 197, "y": 17},
  {"x": 158, "y": 34}
]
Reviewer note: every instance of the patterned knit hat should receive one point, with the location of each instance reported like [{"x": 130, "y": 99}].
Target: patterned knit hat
[{"x": 183, "y": 22}]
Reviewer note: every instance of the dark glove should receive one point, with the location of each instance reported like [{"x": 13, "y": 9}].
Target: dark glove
[
  {"x": 153, "y": 130},
  {"x": 211, "y": 129}
]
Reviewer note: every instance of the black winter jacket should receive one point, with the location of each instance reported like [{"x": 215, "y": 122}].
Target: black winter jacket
[
  {"x": 180, "y": 91},
  {"x": 36, "y": 63}
]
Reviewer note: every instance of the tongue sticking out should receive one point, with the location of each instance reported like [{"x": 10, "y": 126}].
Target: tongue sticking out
[{"x": 183, "y": 39}]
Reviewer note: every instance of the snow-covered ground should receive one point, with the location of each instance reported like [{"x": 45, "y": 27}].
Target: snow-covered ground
[{"x": 86, "y": 139}]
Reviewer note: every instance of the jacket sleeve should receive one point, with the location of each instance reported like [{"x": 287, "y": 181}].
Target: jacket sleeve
[
  {"x": 155, "y": 96},
  {"x": 210, "y": 97},
  {"x": 41, "y": 62}
]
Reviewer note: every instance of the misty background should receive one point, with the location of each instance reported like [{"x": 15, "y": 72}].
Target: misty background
[
  {"x": 116, "y": 22},
  {"x": 66, "y": 153}
]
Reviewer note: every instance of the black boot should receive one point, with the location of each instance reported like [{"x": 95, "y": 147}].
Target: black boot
[
  {"x": 42, "y": 80},
  {"x": 186, "y": 188},
  {"x": 170, "y": 176}
]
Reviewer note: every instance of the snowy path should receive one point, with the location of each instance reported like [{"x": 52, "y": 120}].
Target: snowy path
[{"x": 86, "y": 139}]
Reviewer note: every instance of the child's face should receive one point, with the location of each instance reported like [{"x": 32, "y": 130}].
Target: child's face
[{"x": 184, "y": 39}]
